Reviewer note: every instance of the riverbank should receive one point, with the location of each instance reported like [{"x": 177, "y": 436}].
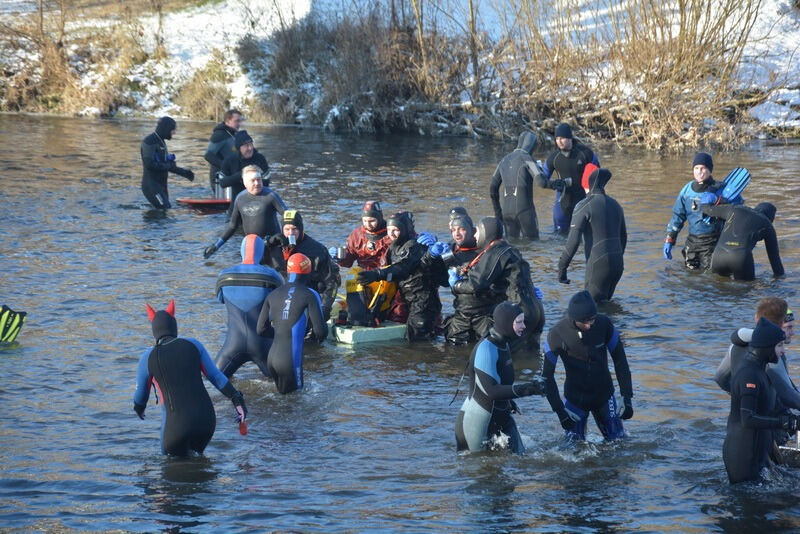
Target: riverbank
[{"x": 709, "y": 78}]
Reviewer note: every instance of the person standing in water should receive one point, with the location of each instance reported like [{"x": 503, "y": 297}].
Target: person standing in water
[{"x": 157, "y": 163}]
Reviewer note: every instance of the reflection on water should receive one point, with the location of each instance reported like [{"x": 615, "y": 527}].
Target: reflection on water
[{"x": 369, "y": 443}]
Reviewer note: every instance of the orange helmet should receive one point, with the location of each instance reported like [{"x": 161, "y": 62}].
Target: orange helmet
[{"x": 298, "y": 264}]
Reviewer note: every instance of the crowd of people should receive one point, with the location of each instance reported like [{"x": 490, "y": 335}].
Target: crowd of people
[{"x": 285, "y": 293}]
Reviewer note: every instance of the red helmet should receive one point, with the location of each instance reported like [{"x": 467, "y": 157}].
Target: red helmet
[
  {"x": 298, "y": 264},
  {"x": 587, "y": 173}
]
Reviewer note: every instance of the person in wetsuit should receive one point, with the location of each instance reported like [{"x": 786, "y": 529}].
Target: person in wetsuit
[
  {"x": 221, "y": 145},
  {"x": 232, "y": 167},
  {"x": 703, "y": 235},
  {"x": 583, "y": 339},
  {"x": 157, "y": 162},
  {"x": 562, "y": 172},
  {"x": 601, "y": 222},
  {"x": 285, "y": 317},
  {"x": 415, "y": 281},
  {"x": 473, "y": 311},
  {"x": 485, "y": 414},
  {"x": 175, "y": 366},
  {"x": 751, "y": 422},
  {"x": 368, "y": 243},
  {"x": 292, "y": 238},
  {"x": 256, "y": 209},
  {"x": 500, "y": 271},
  {"x": 243, "y": 289},
  {"x": 514, "y": 178},
  {"x": 744, "y": 227}
]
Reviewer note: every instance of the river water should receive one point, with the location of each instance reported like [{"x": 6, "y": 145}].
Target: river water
[{"x": 369, "y": 443}]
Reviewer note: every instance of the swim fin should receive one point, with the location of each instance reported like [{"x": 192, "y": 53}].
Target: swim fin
[
  {"x": 10, "y": 324},
  {"x": 732, "y": 187}
]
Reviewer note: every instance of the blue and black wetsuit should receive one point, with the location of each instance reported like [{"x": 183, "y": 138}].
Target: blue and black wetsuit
[
  {"x": 514, "y": 177},
  {"x": 601, "y": 222},
  {"x": 243, "y": 289},
  {"x": 563, "y": 165},
  {"x": 285, "y": 315},
  {"x": 257, "y": 214},
  {"x": 156, "y": 164},
  {"x": 588, "y": 387},
  {"x": 744, "y": 227},
  {"x": 174, "y": 366}
]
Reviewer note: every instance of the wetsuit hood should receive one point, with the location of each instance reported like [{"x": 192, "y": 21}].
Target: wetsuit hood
[
  {"x": 765, "y": 336},
  {"x": 241, "y": 138},
  {"x": 293, "y": 217},
  {"x": 489, "y": 229},
  {"x": 465, "y": 222},
  {"x": 372, "y": 208},
  {"x": 252, "y": 249},
  {"x": 526, "y": 142},
  {"x": 598, "y": 179},
  {"x": 767, "y": 209},
  {"x": 163, "y": 322},
  {"x": 301, "y": 279},
  {"x": 165, "y": 126},
  {"x": 581, "y": 307},
  {"x": 403, "y": 220},
  {"x": 458, "y": 210},
  {"x": 504, "y": 315}
]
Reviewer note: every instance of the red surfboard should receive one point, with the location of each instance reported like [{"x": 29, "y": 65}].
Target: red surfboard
[{"x": 206, "y": 205}]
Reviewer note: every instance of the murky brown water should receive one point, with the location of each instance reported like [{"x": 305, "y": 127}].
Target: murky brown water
[{"x": 369, "y": 444}]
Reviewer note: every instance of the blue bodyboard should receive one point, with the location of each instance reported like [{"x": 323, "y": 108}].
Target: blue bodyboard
[{"x": 732, "y": 187}]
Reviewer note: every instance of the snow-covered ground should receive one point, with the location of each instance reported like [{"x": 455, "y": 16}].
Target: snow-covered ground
[{"x": 771, "y": 60}]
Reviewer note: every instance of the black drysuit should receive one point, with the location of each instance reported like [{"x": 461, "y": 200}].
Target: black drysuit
[
  {"x": 560, "y": 166},
  {"x": 156, "y": 165},
  {"x": 744, "y": 227},
  {"x": 220, "y": 147},
  {"x": 599, "y": 219},
  {"x": 511, "y": 190}
]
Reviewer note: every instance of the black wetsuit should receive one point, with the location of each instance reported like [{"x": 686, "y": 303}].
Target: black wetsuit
[
  {"x": 175, "y": 367},
  {"x": 324, "y": 277},
  {"x": 418, "y": 284},
  {"x": 563, "y": 165},
  {"x": 486, "y": 412},
  {"x": 220, "y": 147},
  {"x": 232, "y": 170},
  {"x": 751, "y": 422},
  {"x": 257, "y": 214},
  {"x": 285, "y": 317},
  {"x": 243, "y": 289},
  {"x": 588, "y": 387},
  {"x": 511, "y": 190},
  {"x": 156, "y": 165},
  {"x": 502, "y": 274},
  {"x": 599, "y": 219},
  {"x": 744, "y": 227}
]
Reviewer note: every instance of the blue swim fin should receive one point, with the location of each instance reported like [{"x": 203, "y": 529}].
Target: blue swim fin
[
  {"x": 732, "y": 187},
  {"x": 10, "y": 324}
]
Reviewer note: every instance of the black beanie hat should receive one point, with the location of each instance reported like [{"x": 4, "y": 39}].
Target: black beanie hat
[
  {"x": 581, "y": 307},
  {"x": 703, "y": 158},
  {"x": 242, "y": 138},
  {"x": 164, "y": 324},
  {"x": 293, "y": 217},
  {"x": 766, "y": 334},
  {"x": 372, "y": 208},
  {"x": 564, "y": 130},
  {"x": 767, "y": 209},
  {"x": 165, "y": 126},
  {"x": 504, "y": 315}
]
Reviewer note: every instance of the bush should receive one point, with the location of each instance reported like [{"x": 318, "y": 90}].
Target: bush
[{"x": 206, "y": 94}]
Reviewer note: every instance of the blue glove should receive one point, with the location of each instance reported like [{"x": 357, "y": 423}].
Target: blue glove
[
  {"x": 538, "y": 293},
  {"x": 453, "y": 276},
  {"x": 668, "y": 250},
  {"x": 708, "y": 198},
  {"x": 333, "y": 251},
  {"x": 170, "y": 157},
  {"x": 426, "y": 238},
  {"x": 438, "y": 248}
]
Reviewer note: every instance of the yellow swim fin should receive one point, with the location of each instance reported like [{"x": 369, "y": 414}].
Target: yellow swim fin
[{"x": 10, "y": 324}]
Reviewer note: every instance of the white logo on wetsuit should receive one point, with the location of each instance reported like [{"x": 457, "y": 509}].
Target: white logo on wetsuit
[{"x": 288, "y": 303}]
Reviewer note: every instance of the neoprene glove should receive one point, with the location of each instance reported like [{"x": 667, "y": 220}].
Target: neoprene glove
[
  {"x": 526, "y": 389},
  {"x": 278, "y": 240},
  {"x": 170, "y": 157},
  {"x": 333, "y": 251},
  {"x": 790, "y": 423},
  {"x": 367, "y": 277},
  {"x": 190, "y": 175},
  {"x": 562, "y": 276},
  {"x": 538, "y": 293},
  {"x": 624, "y": 408},
  {"x": 438, "y": 248},
  {"x": 139, "y": 409},
  {"x": 558, "y": 184},
  {"x": 326, "y": 312},
  {"x": 668, "y": 249},
  {"x": 241, "y": 409},
  {"x": 426, "y": 238},
  {"x": 209, "y": 251},
  {"x": 453, "y": 276}
]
